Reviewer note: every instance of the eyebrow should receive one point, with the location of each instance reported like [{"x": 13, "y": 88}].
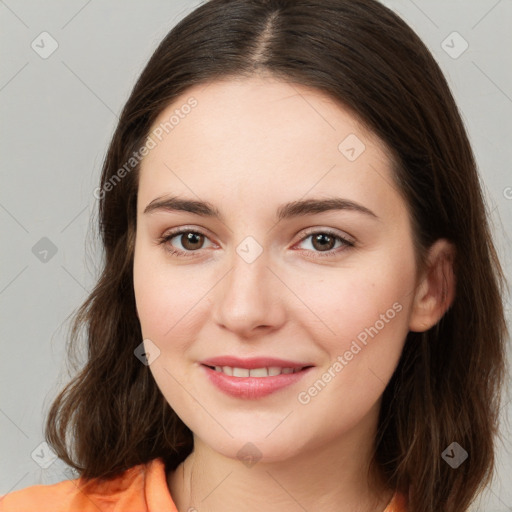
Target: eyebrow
[{"x": 286, "y": 211}]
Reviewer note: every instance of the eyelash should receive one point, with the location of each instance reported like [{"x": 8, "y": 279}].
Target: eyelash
[{"x": 316, "y": 254}]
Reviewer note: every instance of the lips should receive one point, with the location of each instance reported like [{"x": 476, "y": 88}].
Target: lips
[{"x": 254, "y": 377}]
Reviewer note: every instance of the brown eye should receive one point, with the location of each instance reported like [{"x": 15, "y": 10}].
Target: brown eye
[
  {"x": 323, "y": 241},
  {"x": 192, "y": 240},
  {"x": 184, "y": 242}
]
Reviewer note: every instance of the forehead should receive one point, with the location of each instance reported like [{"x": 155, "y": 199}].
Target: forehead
[
  {"x": 259, "y": 108},
  {"x": 243, "y": 135}
]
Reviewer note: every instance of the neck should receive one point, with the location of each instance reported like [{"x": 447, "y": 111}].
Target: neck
[{"x": 332, "y": 478}]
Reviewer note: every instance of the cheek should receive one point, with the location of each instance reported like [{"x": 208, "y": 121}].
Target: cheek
[
  {"x": 350, "y": 300},
  {"x": 368, "y": 312},
  {"x": 168, "y": 299},
  {"x": 364, "y": 314},
  {"x": 149, "y": 294}
]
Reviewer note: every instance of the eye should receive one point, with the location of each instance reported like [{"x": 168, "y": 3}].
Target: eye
[
  {"x": 323, "y": 243},
  {"x": 189, "y": 240}
]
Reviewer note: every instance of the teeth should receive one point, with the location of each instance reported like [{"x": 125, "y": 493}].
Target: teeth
[
  {"x": 259, "y": 372},
  {"x": 272, "y": 371},
  {"x": 227, "y": 370},
  {"x": 240, "y": 372}
]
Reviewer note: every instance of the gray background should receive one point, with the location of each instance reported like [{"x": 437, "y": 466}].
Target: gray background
[{"x": 57, "y": 116}]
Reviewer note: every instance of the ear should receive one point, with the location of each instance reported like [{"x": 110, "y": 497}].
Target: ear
[{"x": 436, "y": 289}]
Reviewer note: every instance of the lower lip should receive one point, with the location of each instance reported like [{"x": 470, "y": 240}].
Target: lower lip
[{"x": 252, "y": 387}]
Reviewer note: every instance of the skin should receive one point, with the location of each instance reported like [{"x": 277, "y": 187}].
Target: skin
[{"x": 250, "y": 145}]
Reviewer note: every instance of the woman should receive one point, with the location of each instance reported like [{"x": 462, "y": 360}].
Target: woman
[{"x": 300, "y": 306}]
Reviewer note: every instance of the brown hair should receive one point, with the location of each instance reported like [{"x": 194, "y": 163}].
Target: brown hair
[{"x": 447, "y": 386}]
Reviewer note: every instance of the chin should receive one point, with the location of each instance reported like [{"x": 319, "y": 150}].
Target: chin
[{"x": 256, "y": 447}]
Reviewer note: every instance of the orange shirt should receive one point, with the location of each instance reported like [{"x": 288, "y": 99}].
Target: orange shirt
[{"x": 142, "y": 488}]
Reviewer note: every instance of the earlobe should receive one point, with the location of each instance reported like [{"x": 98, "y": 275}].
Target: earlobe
[{"x": 436, "y": 290}]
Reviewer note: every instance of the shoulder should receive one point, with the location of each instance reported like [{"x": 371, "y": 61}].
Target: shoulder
[
  {"x": 127, "y": 492},
  {"x": 40, "y": 497},
  {"x": 398, "y": 503}
]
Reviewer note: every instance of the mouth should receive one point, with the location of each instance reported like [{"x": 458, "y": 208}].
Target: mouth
[
  {"x": 253, "y": 378},
  {"x": 270, "y": 371}
]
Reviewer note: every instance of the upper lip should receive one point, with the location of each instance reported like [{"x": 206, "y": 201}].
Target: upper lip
[{"x": 253, "y": 362}]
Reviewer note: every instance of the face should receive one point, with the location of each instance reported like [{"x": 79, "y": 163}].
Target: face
[{"x": 252, "y": 273}]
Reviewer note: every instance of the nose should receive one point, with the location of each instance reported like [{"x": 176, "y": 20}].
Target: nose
[{"x": 249, "y": 299}]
